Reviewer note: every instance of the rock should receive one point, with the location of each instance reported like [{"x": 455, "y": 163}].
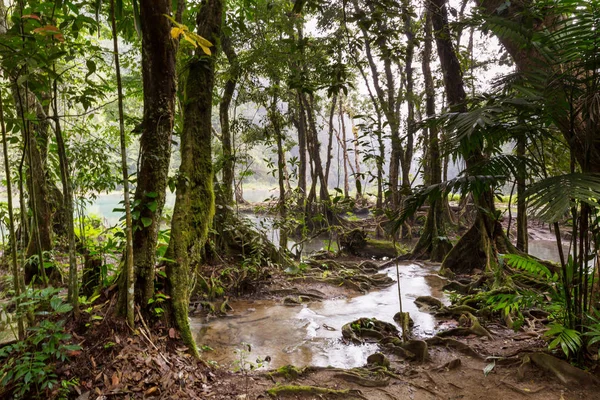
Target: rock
[
  {"x": 418, "y": 348},
  {"x": 292, "y": 301},
  {"x": 429, "y": 302},
  {"x": 368, "y": 328},
  {"x": 398, "y": 318},
  {"x": 378, "y": 359}
]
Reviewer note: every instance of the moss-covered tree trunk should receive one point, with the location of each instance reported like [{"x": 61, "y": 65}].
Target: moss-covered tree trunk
[
  {"x": 159, "y": 80},
  {"x": 35, "y": 139},
  {"x": 433, "y": 243},
  {"x": 194, "y": 202}
]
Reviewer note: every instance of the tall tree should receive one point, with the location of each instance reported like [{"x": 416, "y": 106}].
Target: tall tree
[
  {"x": 194, "y": 202},
  {"x": 433, "y": 242},
  {"x": 479, "y": 246},
  {"x": 159, "y": 83}
]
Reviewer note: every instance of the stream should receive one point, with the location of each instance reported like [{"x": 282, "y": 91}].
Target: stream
[{"x": 303, "y": 335}]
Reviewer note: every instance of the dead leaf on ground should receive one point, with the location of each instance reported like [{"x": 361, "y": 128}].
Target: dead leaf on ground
[
  {"x": 152, "y": 391},
  {"x": 115, "y": 380}
]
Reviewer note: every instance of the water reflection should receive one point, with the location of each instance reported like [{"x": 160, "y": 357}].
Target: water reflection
[{"x": 298, "y": 335}]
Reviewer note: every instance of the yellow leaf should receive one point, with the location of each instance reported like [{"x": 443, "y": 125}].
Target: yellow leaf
[
  {"x": 175, "y": 32},
  {"x": 200, "y": 40},
  {"x": 205, "y": 49},
  {"x": 187, "y": 38}
]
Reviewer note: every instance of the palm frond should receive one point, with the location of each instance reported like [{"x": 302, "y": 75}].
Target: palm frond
[
  {"x": 550, "y": 199},
  {"x": 506, "y": 165},
  {"x": 527, "y": 264},
  {"x": 462, "y": 184}
]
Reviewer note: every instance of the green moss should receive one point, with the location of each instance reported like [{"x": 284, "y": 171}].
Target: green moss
[
  {"x": 288, "y": 372},
  {"x": 315, "y": 390}
]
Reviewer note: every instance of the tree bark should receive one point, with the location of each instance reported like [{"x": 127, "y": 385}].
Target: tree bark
[
  {"x": 194, "y": 203},
  {"x": 522, "y": 237},
  {"x": 433, "y": 242},
  {"x": 159, "y": 83},
  {"x": 226, "y": 142},
  {"x": 485, "y": 234}
]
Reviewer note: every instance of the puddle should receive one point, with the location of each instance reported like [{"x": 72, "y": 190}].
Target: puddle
[{"x": 297, "y": 335}]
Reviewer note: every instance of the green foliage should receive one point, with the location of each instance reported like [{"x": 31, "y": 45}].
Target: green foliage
[
  {"x": 29, "y": 366},
  {"x": 156, "y": 303},
  {"x": 569, "y": 340},
  {"x": 553, "y": 197},
  {"x": 593, "y": 333},
  {"x": 529, "y": 265}
]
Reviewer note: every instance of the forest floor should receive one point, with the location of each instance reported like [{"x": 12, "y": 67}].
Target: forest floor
[
  {"x": 153, "y": 363},
  {"x": 153, "y": 366}
]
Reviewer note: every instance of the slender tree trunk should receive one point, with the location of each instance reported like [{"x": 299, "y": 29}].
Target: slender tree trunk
[
  {"x": 65, "y": 176},
  {"x": 301, "y": 125},
  {"x": 159, "y": 81},
  {"x": 275, "y": 117},
  {"x": 194, "y": 203},
  {"x": 315, "y": 150},
  {"x": 230, "y": 84},
  {"x": 357, "y": 173},
  {"x": 11, "y": 219},
  {"x": 407, "y": 152},
  {"x": 330, "y": 137},
  {"x": 522, "y": 238},
  {"x": 127, "y": 292},
  {"x": 342, "y": 142}
]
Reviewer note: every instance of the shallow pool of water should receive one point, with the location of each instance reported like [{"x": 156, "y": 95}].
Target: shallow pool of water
[{"x": 302, "y": 335}]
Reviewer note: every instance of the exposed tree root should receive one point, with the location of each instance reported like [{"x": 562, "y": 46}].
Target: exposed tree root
[
  {"x": 314, "y": 390},
  {"x": 471, "y": 327},
  {"x": 564, "y": 372},
  {"x": 364, "y": 378},
  {"x": 454, "y": 344}
]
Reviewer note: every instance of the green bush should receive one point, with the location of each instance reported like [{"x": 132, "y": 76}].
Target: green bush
[{"x": 29, "y": 366}]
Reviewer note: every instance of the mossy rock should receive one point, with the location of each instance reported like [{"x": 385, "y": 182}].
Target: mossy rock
[
  {"x": 288, "y": 372},
  {"x": 429, "y": 303},
  {"x": 368, "y": 328},
  {"x": 378, "y": 359},
  {"x": 292, "y": 301},
  {"x": 418, "y": 348},
  {"x": 353, "y": 241}
]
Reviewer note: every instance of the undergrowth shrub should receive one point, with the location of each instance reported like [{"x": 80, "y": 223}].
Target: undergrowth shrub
[{"x": 28, "y": 367}]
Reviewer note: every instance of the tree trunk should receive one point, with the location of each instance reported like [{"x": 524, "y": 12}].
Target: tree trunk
[
  {"x": 486, "y": 234},
  {"x": 330, "y": 137},
  {"x": 126, "y": 301},
  {"x": 194, "y": 203},
  {"x": 35, "y": 139},
  {"x": 275, "y": 117},
  {"x": 301, "y": 126},
  {"x": 230, "y": 84},
  {"x": 522, "y": 237},
  {"x": 433, "y": 242},
  {"x": 159, "y": 82},
  {"x": 65, "y": 176},
  {"x": 16, "y": 274},
  {"x": 407, "y": 152},
  {"x": 342, "y": 142}
]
